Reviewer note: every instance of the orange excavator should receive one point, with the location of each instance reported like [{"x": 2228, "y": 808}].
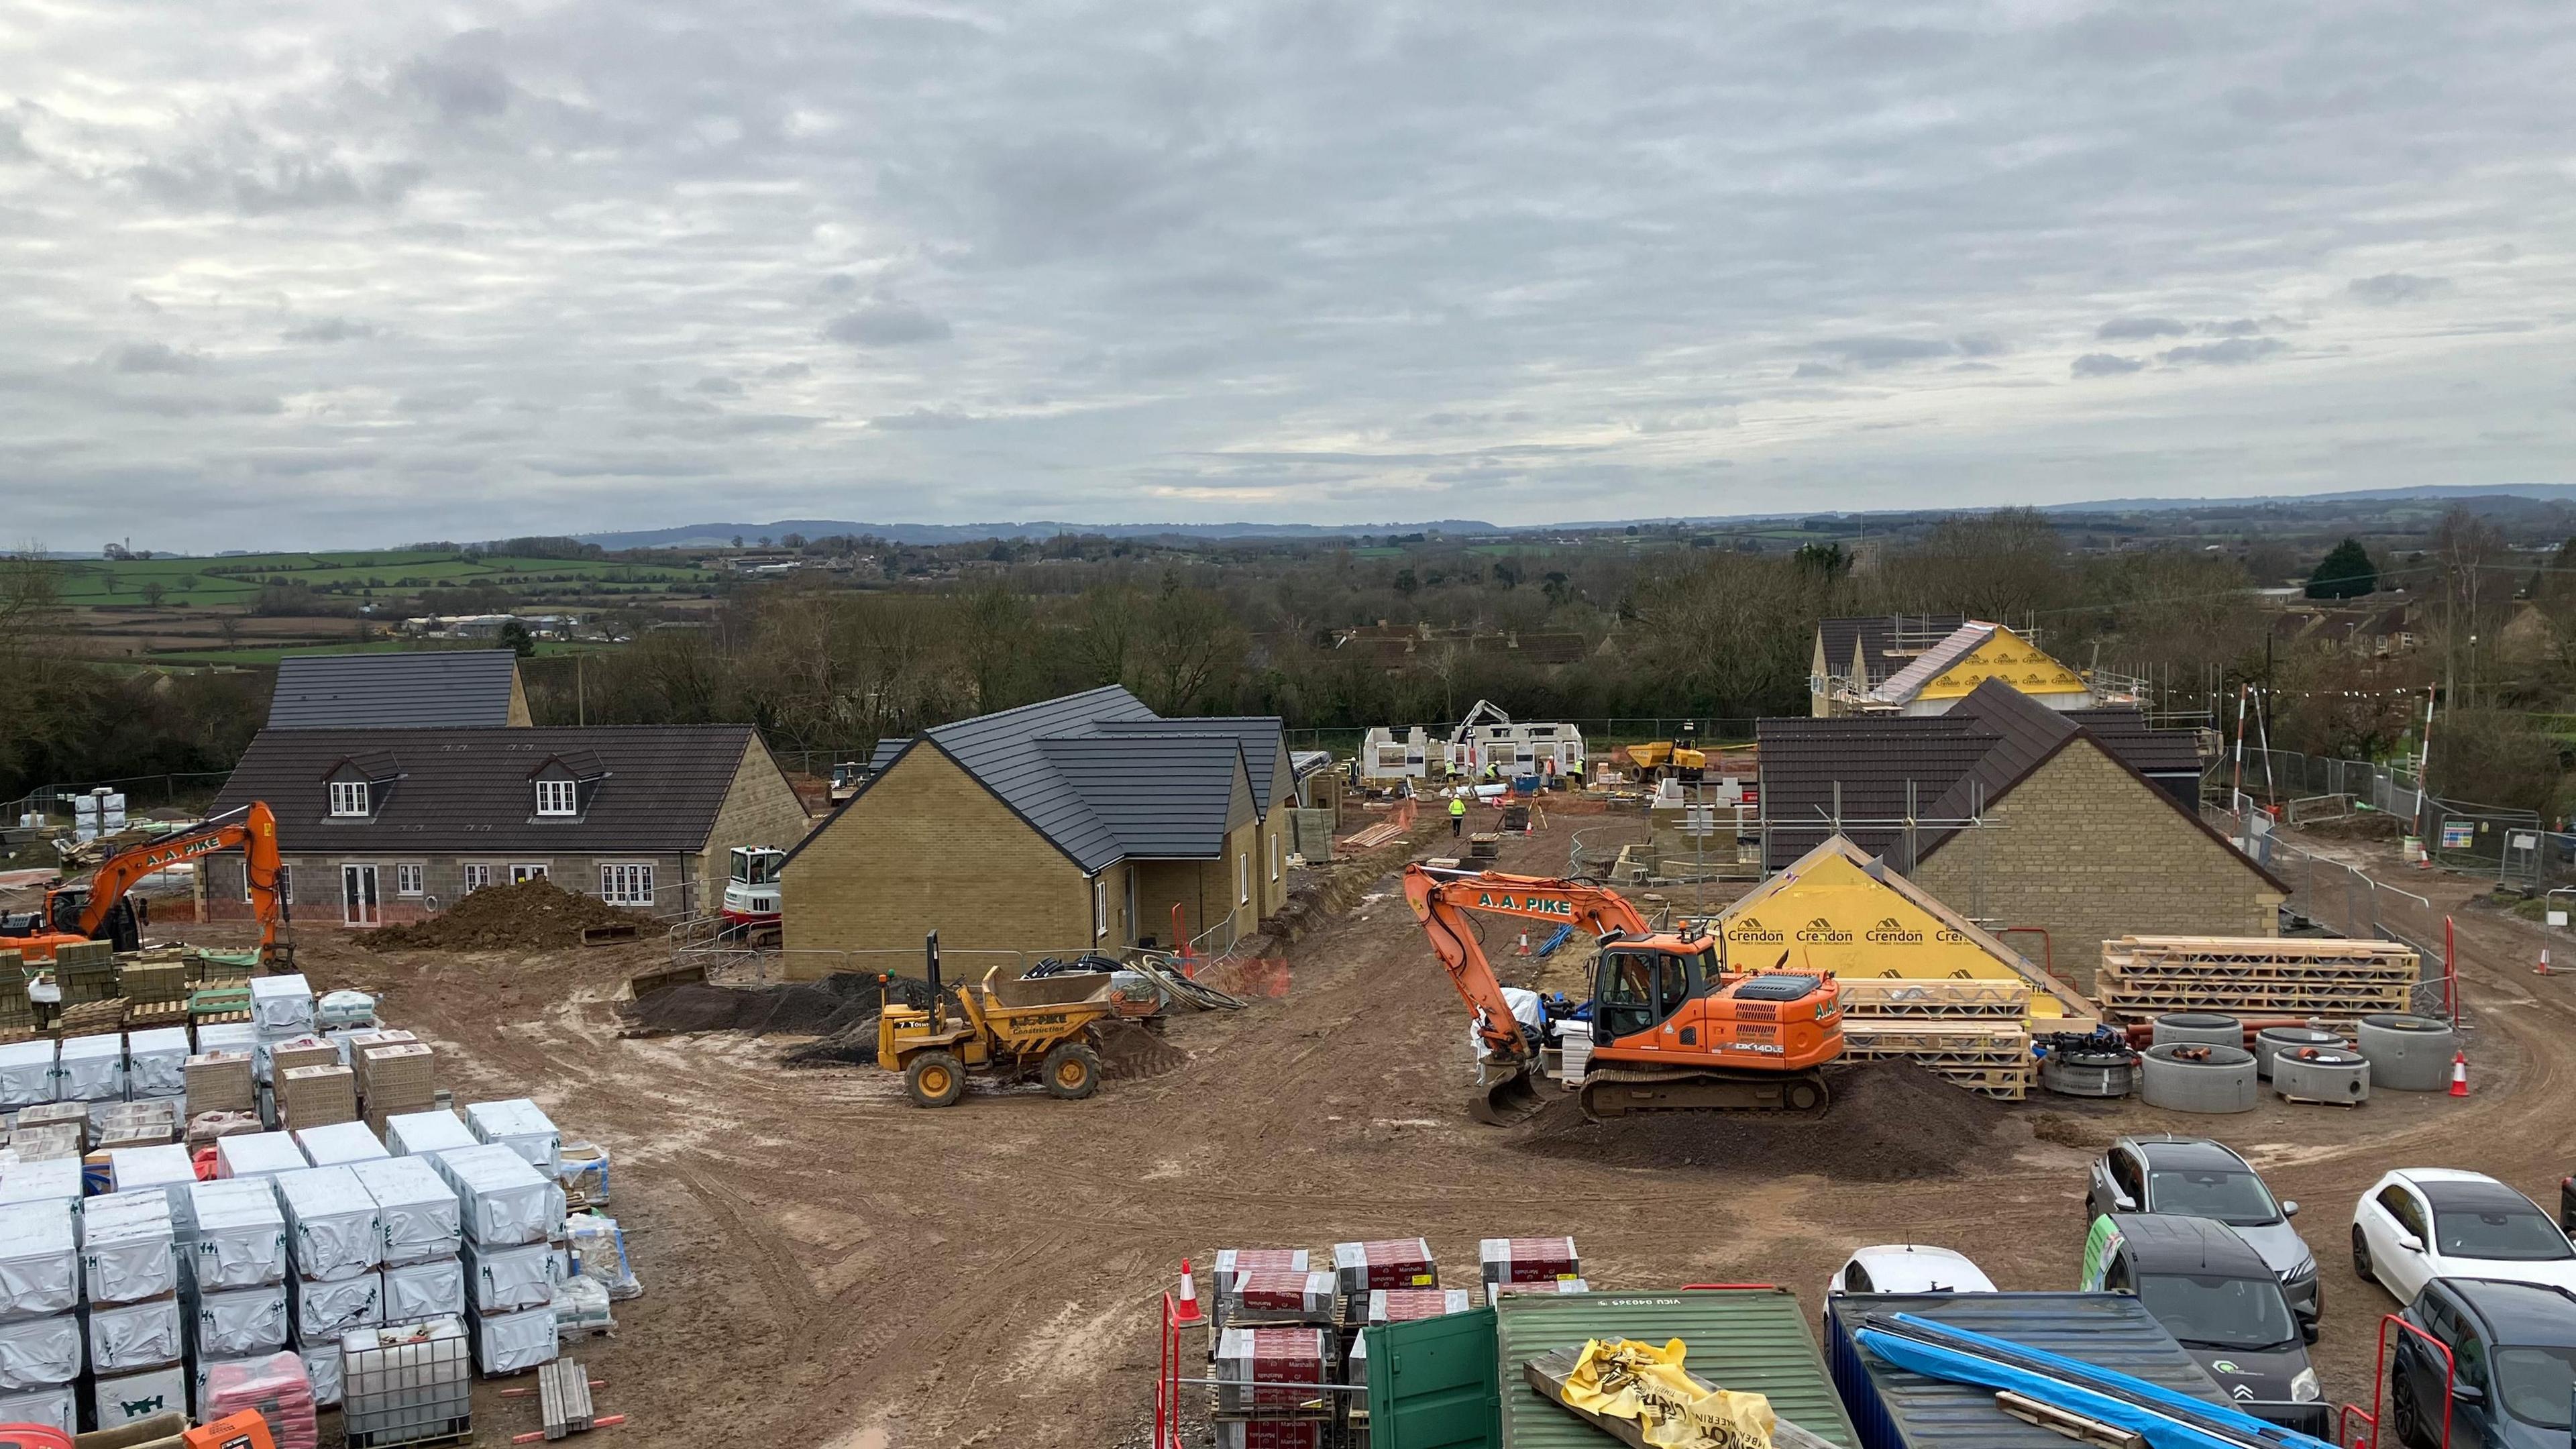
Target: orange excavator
[
  {"x": 1673, "y": 1029},
  {"x": 95, "y": 909}
]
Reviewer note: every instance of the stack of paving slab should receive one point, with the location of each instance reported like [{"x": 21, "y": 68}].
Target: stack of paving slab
[
  {"x": 234, "y": 1279},
  {"x": 136, "y": 1328},
  {"x": 511, "y": 1215}
]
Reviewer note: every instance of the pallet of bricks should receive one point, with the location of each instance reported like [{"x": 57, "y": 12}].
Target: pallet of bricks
[
  {"x": 2336, "y": 980},
  {"x": 17, "y": 1009},
  {"x": 1974, "y": 1033},
  {"x": 1288, "y": 1341}
]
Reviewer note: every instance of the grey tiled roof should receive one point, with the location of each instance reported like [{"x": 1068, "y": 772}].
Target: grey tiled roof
[
  {"x": 1104, "y": 778},
  {"x": 424, "y": 689},
  {"x": 1875, "y": 633},
  {"x": 468, "y": 791}
]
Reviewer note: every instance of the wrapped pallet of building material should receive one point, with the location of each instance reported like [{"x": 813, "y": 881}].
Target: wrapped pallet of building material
[
  {"x": 1280, "y": 1295},
  {"x": 344, "y": 1011},
  {"x": 513, "y": 1343},
  {"x": 281, "y": 1005},
  {"x": 599, "y": 1251},
  {"x": 220, "y": 1081},
  {"x": 583, "y": 1170},
  {"x": 237, "y": 1322},
  {"x": 322, "y": 1311},
  {"x": 240, "y": 1239},
  {"x": 39, "y": 1259},
  {"x": 27, "y": 1073},
  {"x": 340, "y": 1144},
  {"x": 167, "y": 1168},
  {"x": 129, "y": 1247},
  {"x": 331, "y": 1227},
  {"x": 420, "y": 1292},
  {"x": 228, "y": 1036},
  {"x": 40, "y": 1353},
  {"x": 121, "y": 1399},
  {"x": 406, "y": 1385},
  {"x": 505, "y": 1200},
  {"x": 131, "y": 1337},
  {"x": 1232, "y": 1263},
  {"x": 55, "y": 1179},
  {"x": 92, "y": 1068},
  {"x": 418, "y": 1212},
  {"x": 53, "y": 1408},
  {"x": 418, "y": 1134},
  {"x": 507, "y": 1278},
  {"x": 143, "y": 1122},
  {"x": 1527, "y": 1260},
  {"x": 156, "y": 1062},
  {"x": 1268, "y": 1373},
  {"x": 322, "y": 1365},
  {"x": 520, "y": 1125},
  {"x": 1405, "y": 1305},
  {"x": 581, "y": 1306},
  {"x": 275, "y": 1386},
  {"x": 258, "y": 1155},
  {"x": 271, "y": 1059}
]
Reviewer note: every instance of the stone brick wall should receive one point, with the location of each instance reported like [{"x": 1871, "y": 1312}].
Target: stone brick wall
[
  {"x": 760, "y": 808},
  {"x": 2088, "y": 852},
  {"x": 925, "y": 847}
]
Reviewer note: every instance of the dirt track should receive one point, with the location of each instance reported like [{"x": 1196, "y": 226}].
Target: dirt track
[{"x": 824, "y": 1264}]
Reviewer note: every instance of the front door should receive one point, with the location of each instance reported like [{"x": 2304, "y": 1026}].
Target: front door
[
  {"x": 358, "y": 896},
  {"x": 1634, "y": 991}
]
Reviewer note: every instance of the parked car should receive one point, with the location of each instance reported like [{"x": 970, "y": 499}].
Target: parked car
[
  {"x": 2196, "y": 1177},
  {"x": 1908, "y": 1268},
  {"x": 2214, "y": 1293},
  {"x": 2513, "y": 1348},
  {"x": 2421, "y": 1223}
]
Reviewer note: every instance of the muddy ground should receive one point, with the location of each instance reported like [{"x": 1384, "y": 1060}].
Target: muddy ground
[{"x": 826, "y": 1265}]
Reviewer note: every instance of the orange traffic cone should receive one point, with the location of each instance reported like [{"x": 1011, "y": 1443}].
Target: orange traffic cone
[
  {"x": 1523, "y": 948},
  {"x": 2543, "y": 968},
  {"x": 2459, "y": 1074},
  {"x": 1185, "y": 1307}
]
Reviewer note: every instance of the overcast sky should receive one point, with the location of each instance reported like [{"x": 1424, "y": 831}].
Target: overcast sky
[{"x": 331, "y": 273}]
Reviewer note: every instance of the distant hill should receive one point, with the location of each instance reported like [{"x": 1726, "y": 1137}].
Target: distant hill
[
  {"x": 2454, "y": 492},
  {"x": 711, "y": 535}
]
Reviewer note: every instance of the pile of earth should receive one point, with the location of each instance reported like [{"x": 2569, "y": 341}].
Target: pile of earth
[
  {"x": 530, "y": 915},
  {"x": 1888, "y": 1122}
]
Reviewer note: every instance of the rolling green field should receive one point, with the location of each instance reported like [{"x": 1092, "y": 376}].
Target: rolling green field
[{"x": 203, "y": 582}]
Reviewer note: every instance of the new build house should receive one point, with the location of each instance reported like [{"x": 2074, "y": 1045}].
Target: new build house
[
  {"x": 2056, "y": 829},
  {"x": 408, "y": 689},
  {"x": 384, "y": 825},
  {"x": 1077, "y": 824}
]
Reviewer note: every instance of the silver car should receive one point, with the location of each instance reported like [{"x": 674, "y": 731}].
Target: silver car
[{"x": 2195, "y": 1177}]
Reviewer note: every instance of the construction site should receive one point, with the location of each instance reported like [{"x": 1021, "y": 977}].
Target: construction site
[{"x": 1244, "y": 1094}]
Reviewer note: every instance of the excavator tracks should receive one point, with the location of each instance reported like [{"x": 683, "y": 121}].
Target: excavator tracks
[{"x": 1611, "y": 1092}]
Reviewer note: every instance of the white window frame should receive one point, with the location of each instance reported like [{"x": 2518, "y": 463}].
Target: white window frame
[
  {"x": 349, "y": 800},
  {"x": 285, "y": 881},
  {"x": 523, "y": 871},
  {"x": 626, "y": 882},
  {"x": 477, "y": 874},
  {"x": 1099, "y": 906},
  {"x": 558, "y": 798},
  {"x": 411, "y": 878},
  {"x": 1243, "y": 878},
  {"x": 1277, "y": 854}
]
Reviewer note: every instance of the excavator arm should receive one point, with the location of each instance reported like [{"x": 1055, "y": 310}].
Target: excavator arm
[{"x": 251, "y": 830}]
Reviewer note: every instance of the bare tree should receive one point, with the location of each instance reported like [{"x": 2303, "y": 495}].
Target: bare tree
[
  {"x": 1108, "y": 618},
  {"x": 1189, "y": 641}
]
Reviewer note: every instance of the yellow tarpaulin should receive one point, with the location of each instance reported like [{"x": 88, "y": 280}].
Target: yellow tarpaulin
[
  {"x": 1647, "y": 1385},
  {"x": 2010, "y": 658},
  {"x": 1837, "y": 910}
]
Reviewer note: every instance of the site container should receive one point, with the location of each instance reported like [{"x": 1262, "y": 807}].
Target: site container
[
  {"x": 1895, "y": 1409},
  {"x": 1749, "y": 1339}
]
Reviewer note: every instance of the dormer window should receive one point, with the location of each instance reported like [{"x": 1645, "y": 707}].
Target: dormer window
[
  {"x": 349, "y": 798},
  {"x": 558, "y": 797}
]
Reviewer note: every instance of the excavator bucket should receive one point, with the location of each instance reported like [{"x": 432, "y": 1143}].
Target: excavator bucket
[{"x": 1513, "y": 1099}]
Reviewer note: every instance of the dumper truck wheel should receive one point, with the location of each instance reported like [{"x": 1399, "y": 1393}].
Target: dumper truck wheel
[
  {"x": 1071, "y": 1071},
  {"x": 934, "y": 1079}
]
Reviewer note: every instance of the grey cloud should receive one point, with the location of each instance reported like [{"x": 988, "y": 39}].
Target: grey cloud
[
  {"x": 2105, "y": 364},
  {"x": 296, "y": 463},
  {"x": 2233, "y": 351},
  {"x": 450, "y": 399},
  {"x": 717, "y": 387},
  {"x": 921, "y": 419},
  {"x": 328, "y": 329},
  {"x": 2140, "y": 329},
  {"x": 887, "y": 324},
  {"x": 2240, "y": 327},
  {"x": 141, "y": 303},
  {"x": 787, "y": 370},
  {"x": 264, "y": 186},
  {"x": 1981, "y": 344},
  {"x": 1875, "y": 352},
  {"x": 1817, "y": 369},
  {"x": 2390, "y": 289},
  {"x": 461, "y": 82},
  {"x": 153, "y": 357}
]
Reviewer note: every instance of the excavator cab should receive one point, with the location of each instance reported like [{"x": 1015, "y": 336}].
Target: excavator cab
[{"x": 1637, "y": 986}]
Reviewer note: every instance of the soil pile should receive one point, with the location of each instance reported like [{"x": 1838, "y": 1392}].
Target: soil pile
[
  {"x": 531, "y": 915},
  {"x": 1889, "y": 1122},
  {"x": 795, "y": 1008}
]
